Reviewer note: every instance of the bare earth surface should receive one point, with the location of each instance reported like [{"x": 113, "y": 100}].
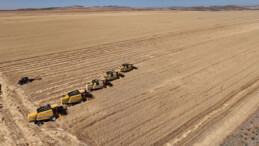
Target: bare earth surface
[{"x": 198, "y": 76}]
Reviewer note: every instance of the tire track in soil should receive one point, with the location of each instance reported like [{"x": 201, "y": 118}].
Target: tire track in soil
[{"x": 55, "y": 67}]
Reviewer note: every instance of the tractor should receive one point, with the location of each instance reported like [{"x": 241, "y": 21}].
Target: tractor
[{"x": 25, "y": 80}]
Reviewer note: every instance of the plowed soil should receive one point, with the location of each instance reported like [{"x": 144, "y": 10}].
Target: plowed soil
[{"x": 198, "y": 76}]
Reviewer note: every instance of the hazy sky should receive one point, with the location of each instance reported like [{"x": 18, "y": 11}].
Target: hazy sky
[{"x": 14, "y": 4}]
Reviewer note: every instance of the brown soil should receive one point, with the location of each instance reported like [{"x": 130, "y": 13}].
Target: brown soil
[{"x": 197, "y": 72}]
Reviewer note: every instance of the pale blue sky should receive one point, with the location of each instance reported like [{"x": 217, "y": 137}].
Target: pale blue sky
[{"x": 14, "y": 4}]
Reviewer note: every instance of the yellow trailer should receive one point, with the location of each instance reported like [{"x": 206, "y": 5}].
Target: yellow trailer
[
  {"x": 46, "y": 113},
  {"x": 126, "y": 67},
  {"x": 97, "y": 84},
  {"x": 75, "y": 96},
  {"x": 112, "y": 75}
]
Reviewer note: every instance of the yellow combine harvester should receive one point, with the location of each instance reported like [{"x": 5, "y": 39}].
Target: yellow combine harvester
[
  {"x": 75, "y": 96},
  {"x": 46, "y": 113},
  {"x": 126, "y": 67},
  {"x": 112, "y": 75},
  {"x": 97, "y": 84}
]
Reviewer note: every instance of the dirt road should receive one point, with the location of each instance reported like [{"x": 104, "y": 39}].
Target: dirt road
[{"x": 196, "y": 71}]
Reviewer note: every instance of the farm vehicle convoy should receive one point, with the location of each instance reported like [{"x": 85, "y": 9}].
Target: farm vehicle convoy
[{"x": 54, "y": 111}]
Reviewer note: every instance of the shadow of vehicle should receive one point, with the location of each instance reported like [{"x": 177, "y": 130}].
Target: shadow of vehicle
[{"x": 109, "y": 84}]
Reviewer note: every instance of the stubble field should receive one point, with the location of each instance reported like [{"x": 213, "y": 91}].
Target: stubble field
[{"x": 198, "y": 76}]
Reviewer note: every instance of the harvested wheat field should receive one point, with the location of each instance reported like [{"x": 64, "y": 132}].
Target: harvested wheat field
[{"x": 197, "y": 78}]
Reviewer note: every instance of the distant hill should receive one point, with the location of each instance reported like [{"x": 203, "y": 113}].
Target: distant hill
[
  {"x": 115, "y": 7},
  {"x": 74, "y": 7},
  {"x": 77, "y": 7},
  {"x": 253, "y": 7},
  {"x": 49, "y": 8},
  {"x": 216, "y": 8}
]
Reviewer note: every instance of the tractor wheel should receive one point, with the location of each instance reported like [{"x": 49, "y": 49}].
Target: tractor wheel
[
  {"x": 70, "y": 104},
  {"x": 53, "y": 118},
  {"x": 62, "y": 111},
  {"x": 82, "y": 101},
  {"x": 39, "y": 123}
]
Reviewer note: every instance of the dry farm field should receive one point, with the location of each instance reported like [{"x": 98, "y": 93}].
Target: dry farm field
[{"x": 197, "y": 78}]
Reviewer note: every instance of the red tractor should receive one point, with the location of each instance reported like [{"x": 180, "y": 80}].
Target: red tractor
[{"x": 25, "y": 80}]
